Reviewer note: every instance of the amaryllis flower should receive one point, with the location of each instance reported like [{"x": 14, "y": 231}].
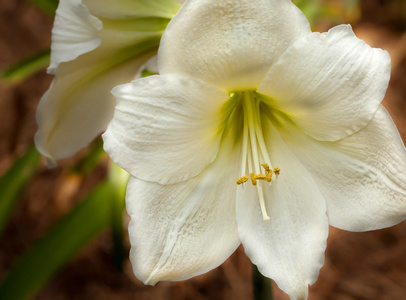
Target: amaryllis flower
[
  {"x": 257, "y": 131},
  {"x": 96, "y": 45}
]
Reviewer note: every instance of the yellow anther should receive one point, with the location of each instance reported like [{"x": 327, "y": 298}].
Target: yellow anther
[
  {"x": 268, "y": 172},
  {"x": 269, "y": 176},
  {"x": 241, "y": 180},
  {"x": 260, "y": 177},
  {"x": 265, "y": 166},
  {"x": 254, "y": 177}
]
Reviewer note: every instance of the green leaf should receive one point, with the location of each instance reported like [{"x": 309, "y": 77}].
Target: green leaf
[
  {"x": 92, "y": 159},
  {"x": 64, "y": 240},
  {"x": 311, "y": 9},
  {"x": 146, "y": 73},
  {"x": 48, "y": 6},
  {"x": 27, "y": 67},
  {"x": 12, "y": 183},
  {"x": 118, "y": 206},
  {"x": 261, "y": 285}
]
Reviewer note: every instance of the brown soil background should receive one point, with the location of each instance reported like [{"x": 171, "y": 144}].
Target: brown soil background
[{"x": 362, "y": 266}]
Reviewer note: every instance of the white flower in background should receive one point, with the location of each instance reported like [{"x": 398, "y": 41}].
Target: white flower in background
[
  {"x": 96, "y": 45},
  {"x": 248, "y": 93}
]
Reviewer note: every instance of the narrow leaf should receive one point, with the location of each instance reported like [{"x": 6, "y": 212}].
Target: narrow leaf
[
  {"x": 48, "y": 6},
  {"x": 12, "y": 183},
  {"x": 63, "y": 241},
  {"x": 27, "y": 67}
]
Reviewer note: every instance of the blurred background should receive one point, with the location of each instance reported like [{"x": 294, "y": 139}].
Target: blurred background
[{"x": 63, "y": 232}]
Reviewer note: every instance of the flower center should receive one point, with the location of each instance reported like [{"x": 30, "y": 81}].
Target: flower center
[{"x": 254, "y": 152}]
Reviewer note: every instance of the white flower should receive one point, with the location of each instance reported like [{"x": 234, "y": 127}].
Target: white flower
[
  {"x": 245, "y": 87},
  {"x": 96, "y": 45}
]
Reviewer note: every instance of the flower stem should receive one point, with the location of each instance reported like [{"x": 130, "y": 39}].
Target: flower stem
[{"x": 262, "y": 286}]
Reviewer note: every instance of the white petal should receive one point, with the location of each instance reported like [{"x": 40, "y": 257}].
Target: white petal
[
  {"x": 75, "y": 32},
  {"x": 123, "y": 9},
  {"x": 329, "y": 84},
  {"x": 289, "y": 248},
  {"x": 362, "y": 177},
  {"x": 182, "y": 230},
  {"x": 229, "y": 43},
  {"x": 78, "y": 105},
  {"x": 165, "y": 129}
]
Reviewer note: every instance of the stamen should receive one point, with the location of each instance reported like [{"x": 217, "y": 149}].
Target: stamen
[
  {"x": 254, "y": 149},
  {"x": 245, "y": 146},
  {"x": 265, "y": 166},
  {"x": 241, "y": 180},
  {"x": 260, "y": 177},
  {"x": 255, "y": 177},
  {"x": 277, "y": 171},
  {"x": 269, "y": 176},
  {"x": 248, "y": 110},
  {"x": 268, "y": 172},
  {"x": 260, "y": 136}
]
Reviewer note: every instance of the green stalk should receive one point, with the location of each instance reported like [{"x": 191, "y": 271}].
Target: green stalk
[
  {"x": 262, "y": 286},
  {"x": 12, "y": 183}
]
